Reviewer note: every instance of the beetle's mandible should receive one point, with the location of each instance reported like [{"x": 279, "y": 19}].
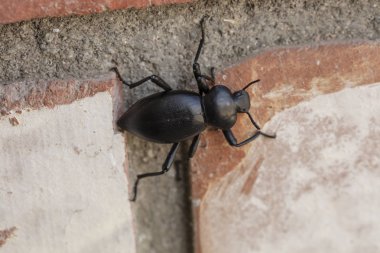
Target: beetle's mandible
[{"x": 173, "y": 116}]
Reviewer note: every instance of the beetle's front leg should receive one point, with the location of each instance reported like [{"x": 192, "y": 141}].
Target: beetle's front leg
[
  {"x": 258, "y": 127},
  {"x": 231, "y": 139}
]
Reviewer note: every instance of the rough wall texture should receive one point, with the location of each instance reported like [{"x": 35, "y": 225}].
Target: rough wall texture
[{"x": 163, "y": 40}]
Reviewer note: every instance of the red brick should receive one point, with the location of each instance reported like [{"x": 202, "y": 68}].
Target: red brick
[
  {"x": 13, "y": 11},
  {"x": 288, "y": 76}
]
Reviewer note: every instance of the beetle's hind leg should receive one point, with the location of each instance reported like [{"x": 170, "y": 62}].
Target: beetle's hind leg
[
  {"x": 165, "y": 168},
  {"x": 153, "y": 78}
]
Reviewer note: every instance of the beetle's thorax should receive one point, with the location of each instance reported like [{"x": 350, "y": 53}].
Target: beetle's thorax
[{"x": 219, "y": 107}]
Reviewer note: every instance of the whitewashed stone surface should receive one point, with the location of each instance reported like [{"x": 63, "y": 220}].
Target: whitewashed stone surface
[
  {"x": 316, "y": 188},
  {"x": 62, "y": 181}
]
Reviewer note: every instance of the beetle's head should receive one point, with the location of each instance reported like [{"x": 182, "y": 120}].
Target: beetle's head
[{"x": 242, "y": 101}]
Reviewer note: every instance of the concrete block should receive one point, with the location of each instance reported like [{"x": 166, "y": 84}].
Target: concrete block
[{"x": 63, "y": 183}]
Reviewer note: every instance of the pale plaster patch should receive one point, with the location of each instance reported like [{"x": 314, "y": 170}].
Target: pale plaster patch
[
  {"x": 317, "y": 189},
  {"x": 62, "y": 180}
]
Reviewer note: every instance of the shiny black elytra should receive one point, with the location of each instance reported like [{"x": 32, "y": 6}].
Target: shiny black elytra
[{"x": 174, "y": 116}]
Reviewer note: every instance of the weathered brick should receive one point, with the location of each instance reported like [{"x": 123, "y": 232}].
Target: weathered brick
[
  {"x": 13, "y": 11},
  {"x": 288, "y": 76},
  {"x": 35, "y": 94}
]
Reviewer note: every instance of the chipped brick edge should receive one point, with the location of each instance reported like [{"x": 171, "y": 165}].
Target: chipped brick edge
[
  {"x": 35, "y": 94},
  {"x": 13, "y": 11}
]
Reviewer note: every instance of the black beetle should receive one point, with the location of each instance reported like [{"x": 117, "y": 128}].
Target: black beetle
[{"x": 174, "y": 116}]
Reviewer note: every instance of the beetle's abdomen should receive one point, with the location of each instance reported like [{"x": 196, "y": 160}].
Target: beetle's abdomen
[{"x": 165, "y": 117}]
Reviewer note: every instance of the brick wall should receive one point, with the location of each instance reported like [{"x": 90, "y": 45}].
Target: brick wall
[{"x": 65, "y": 171}]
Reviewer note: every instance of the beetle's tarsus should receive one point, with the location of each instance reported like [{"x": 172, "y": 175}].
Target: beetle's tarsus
[
  {"x": 273, "y": 136},
  {"x": 203, "y": 19},
  {"x": 118, "y": 75},
  {"x": 133, "y": 199}
]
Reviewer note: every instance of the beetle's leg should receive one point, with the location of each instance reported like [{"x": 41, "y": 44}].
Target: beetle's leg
[
  {"x": 194, "y": 146},
  {"x": 212, "y": 71},
  {"x": 231, "y": 139},
  {"x": 178, "y": 164},
  {"x": 202, "y": 85},
  {"x": 201, "y": 42},
  {"x": 165, "y": 167},
  {"x": 191, "y": 152},
  {"x": 210, "y": 78},
  {"x": 153, "y": 78},
  {"x": 258, "y": 128},
  {"x": 253, "y": 122}
]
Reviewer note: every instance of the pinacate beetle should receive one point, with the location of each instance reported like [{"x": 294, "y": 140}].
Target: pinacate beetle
[{"x": 173, "y": 116}]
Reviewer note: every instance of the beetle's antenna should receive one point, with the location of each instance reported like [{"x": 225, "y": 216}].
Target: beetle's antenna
[{"x": 246, "y": 87}]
